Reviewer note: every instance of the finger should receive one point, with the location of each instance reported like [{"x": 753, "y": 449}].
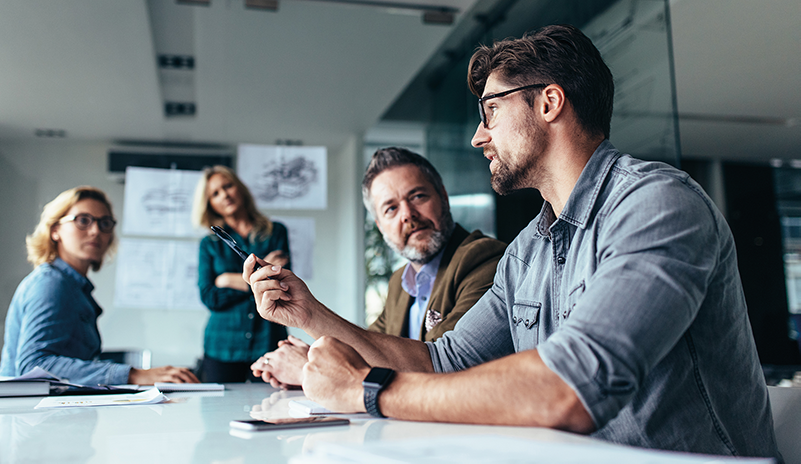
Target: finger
[
  {"x": 275, "y": 383},
  {"x": 247, "y": 267},
  {"x": 269, "y": 299},
  {"x": 184, "y": 376},
  {"x": 268, "y": 285},
  {"x": 297, "y": 342},
  {"x": 267, "y": 271}
]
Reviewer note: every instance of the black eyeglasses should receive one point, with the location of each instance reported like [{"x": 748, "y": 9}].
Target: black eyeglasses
[
  {"x": 84, "y": 221},
  {"x": 483, "y": 111}
]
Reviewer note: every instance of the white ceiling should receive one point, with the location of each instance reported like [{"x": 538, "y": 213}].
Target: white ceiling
[
  {"x": 312, "y": 71},
  {"x": 738, "y": 78},
  {"x": 320, "y": 72}
]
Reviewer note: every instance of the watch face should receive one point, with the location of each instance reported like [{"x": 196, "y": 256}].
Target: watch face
[{"x": 378, "y": 376}]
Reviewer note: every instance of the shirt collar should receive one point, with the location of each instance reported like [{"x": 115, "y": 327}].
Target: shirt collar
[
  {"x": 585, "y": 193},
  {"x": 410, "y": 276},
  {"x": 61, "y": 265}
]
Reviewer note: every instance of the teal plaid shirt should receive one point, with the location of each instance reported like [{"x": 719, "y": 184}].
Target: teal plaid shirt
[{"x": 235, "y": 331}]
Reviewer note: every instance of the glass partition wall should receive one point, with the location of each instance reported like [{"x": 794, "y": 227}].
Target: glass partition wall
[{"x": 437, "y": 115}]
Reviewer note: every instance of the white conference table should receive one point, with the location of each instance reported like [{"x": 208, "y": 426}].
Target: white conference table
[{"x": 193, "y": 427}]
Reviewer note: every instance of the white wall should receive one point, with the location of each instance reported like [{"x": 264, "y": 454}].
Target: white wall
[{"x": 33, "y": 172}]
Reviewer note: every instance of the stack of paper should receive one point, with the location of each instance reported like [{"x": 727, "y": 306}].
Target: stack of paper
[
  {"x": 189, "y": 387},
  {"x": 152, "y": 396},
  {"x": 34, "y": 383}
]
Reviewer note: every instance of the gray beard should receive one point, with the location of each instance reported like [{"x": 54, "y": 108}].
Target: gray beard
[{"x": 438, "y": 241}]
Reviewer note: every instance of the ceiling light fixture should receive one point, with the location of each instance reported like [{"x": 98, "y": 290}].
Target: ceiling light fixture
[
  {"x": 268, "y": 5},
  {"x": 432, "y": 14}
]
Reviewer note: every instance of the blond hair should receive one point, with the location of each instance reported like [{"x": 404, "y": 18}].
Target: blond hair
[
  {"x": 203, "y": 215},
  {"x": 41, "y": 246}
]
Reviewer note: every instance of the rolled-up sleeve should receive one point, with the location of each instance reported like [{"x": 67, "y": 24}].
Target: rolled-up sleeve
[{"x": 653, "y": 267}]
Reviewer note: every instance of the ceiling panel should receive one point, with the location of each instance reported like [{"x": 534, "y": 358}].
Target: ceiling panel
[{"x": 312, "y": 71}]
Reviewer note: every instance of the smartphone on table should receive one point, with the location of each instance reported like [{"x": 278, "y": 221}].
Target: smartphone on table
[{"x": 289, "y": 423}]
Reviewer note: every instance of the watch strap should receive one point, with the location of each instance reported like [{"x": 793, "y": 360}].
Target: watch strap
[
  {"x": 376, "y": 380},
  {"x": 371, "y": 402}
]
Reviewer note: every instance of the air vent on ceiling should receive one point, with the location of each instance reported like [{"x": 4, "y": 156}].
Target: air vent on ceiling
[{"x": 190, "y": 157}]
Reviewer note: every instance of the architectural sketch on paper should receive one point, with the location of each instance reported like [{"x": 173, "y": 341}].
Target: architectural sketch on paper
[
  {"x": 291, "y": 179},
  {"x": 284, "y": 177}
]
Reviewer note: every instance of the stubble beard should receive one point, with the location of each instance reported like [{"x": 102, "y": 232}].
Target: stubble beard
[{"x": 509, "y": 177}]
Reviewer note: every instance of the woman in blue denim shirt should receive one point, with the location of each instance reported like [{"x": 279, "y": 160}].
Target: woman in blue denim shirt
[
  {"x": 235, "y": 335},
  {"x": 52, "y": 320}
]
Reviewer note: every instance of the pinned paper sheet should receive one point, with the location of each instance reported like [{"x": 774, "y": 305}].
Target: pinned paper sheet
[{"x": 152, "y": 396}]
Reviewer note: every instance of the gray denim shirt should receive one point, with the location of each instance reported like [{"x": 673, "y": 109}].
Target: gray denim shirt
[{"x": 632, "y": 296}]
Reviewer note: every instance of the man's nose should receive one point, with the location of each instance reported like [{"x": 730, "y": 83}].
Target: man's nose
[
  {"x": 407, "y": 212},
  {"x": 481, "y": 137}
]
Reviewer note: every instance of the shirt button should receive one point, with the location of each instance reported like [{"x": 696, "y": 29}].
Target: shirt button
[
  {"x": 248, "y": 335},
  {"x": 250, "y": 315},
  {"x": 560, "y": 260}
]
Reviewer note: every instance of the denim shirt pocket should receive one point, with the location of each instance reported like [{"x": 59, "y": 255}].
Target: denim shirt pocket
[
  {"x": 526, "y": 324},
  {"x": 572, "y": 298}
]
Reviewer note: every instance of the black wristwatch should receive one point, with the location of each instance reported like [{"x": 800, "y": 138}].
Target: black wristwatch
[{"x": 376, "y": 380}]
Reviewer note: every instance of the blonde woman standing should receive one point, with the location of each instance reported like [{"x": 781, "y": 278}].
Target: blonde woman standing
[
  {"x": 52, "y": 320},
  {"x": 235, "y": 335}
]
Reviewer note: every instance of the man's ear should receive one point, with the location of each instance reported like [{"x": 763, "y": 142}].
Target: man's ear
[
  {"x": 379, "y": 226},
  {"x": 553, "y": 102}
]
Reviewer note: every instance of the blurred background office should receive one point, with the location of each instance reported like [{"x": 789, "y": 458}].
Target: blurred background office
[{"x": 95, "y": 86}]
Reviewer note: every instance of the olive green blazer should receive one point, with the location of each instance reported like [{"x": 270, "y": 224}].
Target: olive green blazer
[{"x": 465, "y": 273}]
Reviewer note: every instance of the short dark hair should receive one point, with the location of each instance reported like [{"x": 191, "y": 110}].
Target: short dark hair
[
  {"x": 560, "y": 55},
  {"x": 393, "y": 157}
]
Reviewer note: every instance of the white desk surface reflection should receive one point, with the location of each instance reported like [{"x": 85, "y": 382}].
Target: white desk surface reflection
[{"x": 193, "y": 427}]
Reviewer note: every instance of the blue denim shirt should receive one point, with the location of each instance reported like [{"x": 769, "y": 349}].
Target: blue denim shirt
[
  {"x": 632, "y": 296},
  {"x": 52, "y": 323}
]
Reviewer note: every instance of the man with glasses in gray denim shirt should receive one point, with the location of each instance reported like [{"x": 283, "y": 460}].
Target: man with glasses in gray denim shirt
[{"x": 617, "y": 312}]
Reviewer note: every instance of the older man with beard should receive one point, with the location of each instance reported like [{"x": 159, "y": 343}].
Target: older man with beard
[{"x": 449, "y": 269}]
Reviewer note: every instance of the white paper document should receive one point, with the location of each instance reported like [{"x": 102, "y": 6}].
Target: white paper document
[
  {"x": 37, "y": 373},
  {"x": 188, "y": 387},
  {"x": 301, "y": 243},
  {"x": 469, "y": 449},
  {"x": 157, "y": 274},
  {"x": 152, "y": 396}
]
